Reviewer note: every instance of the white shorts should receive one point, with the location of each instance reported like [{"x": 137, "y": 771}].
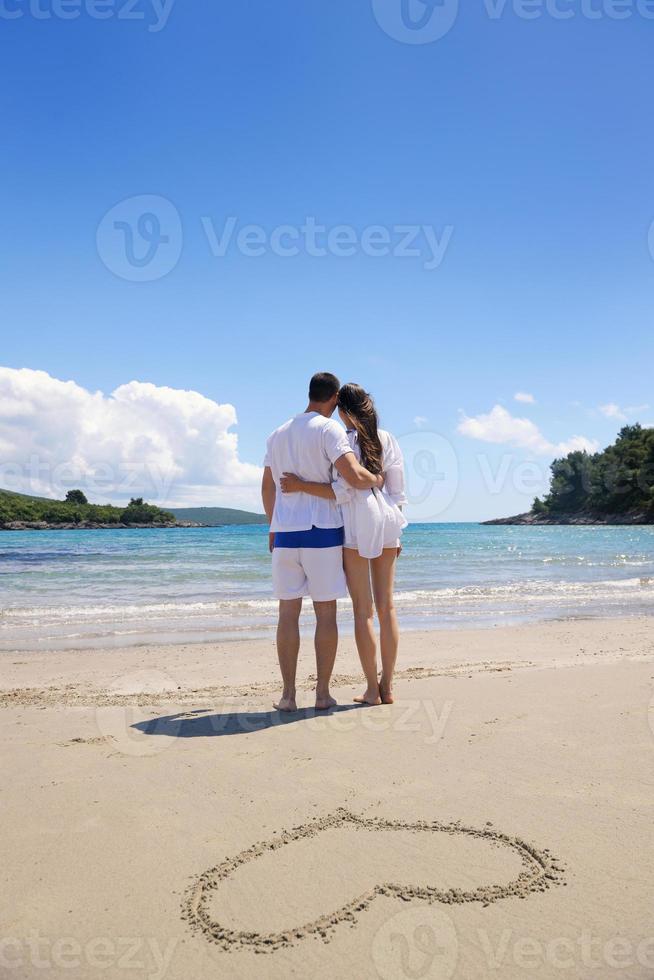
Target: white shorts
[
  {"x": 394, "y": 522},
  {"x": 391, "y": 540},
  {"x": 316, "y": 572}
]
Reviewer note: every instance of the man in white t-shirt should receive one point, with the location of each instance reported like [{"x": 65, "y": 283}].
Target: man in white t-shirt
[{"x": 306, "y": 532}]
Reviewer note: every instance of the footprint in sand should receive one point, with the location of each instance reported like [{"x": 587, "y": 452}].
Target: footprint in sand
[
  {"x": 354, "y": 860},
  {"x": 97, "y": 740}
]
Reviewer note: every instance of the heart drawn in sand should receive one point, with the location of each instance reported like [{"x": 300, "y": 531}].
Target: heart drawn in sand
[{"x": 536, "y": 870}]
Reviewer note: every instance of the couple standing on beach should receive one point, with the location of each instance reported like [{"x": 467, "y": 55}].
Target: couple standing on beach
[{"x": 333, "y": 498}]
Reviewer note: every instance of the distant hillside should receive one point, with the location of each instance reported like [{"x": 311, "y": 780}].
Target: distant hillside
[
  {"x": 214, "y": 516},
  {"x": 615, "y": 486},
  {"x": 18, "y": 510}
]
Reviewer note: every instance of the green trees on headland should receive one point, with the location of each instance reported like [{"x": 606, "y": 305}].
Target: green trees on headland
[
  {"x": 75, "y": 509},
  {"x": 619, "y": 480},
  {"x": 139, "y": 513},
  {"x": 76, "y": 497}
]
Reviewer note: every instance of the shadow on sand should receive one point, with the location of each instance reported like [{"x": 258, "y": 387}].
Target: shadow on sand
[{"x": 199, "y": 724}]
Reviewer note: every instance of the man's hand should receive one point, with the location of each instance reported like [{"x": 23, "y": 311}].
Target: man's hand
[
  {"x": 290, "y": 483},
  {"x": 399, "y": 550},
  {"x": 271, "y": 541}
]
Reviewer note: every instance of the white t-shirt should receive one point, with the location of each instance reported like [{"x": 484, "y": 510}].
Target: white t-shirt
[{"x": 307, "y": 445}]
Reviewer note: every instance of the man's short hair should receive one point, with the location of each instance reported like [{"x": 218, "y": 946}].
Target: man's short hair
[{"x": 323, "y": 386}]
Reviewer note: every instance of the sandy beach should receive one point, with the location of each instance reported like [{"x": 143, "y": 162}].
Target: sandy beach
[{"x": 161, "y": 820}]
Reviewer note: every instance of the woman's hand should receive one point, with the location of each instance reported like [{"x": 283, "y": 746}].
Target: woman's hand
[{"x": 290, "y": 483}]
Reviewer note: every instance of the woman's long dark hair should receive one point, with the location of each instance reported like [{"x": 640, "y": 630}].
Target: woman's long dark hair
[{"x": 359, "y": 406}]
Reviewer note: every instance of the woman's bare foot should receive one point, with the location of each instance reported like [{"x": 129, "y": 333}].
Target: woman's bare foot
[
  {"x": 285, "y": 704},
  {"x": 371, "y": 696},
  {"x": 386, "y": 692},
  {"x": 324, "y": 704}
]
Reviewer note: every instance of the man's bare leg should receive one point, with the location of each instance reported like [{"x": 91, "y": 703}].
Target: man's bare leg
[
  {"x": 288, "y": 648},
  {"x": 326, "y": 640}
]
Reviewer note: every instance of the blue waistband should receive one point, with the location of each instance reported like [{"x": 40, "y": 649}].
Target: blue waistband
[{"x": 317, "y": 537}]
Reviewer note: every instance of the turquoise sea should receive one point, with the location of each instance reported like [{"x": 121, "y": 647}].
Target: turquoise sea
[{"x": 68, "y": 589}]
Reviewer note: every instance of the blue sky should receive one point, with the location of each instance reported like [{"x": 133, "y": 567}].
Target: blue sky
[{"x": 524, "y": 146}]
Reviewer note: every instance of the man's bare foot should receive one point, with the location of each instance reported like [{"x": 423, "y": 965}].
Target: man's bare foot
[
  {"x": 371, "y": 696},
  {"x": 324, "y": 704},
  {"x": 285, "y": 704},
  {"x": 386, "y": 692}
]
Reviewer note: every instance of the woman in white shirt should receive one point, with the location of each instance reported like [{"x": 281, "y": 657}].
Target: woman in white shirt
[{"x": 373, "y": 523}]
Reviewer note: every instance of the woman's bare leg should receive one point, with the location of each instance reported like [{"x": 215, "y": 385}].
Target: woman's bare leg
[
  {"x": 357, "y": 572},
  {"x": 383, "y": 581}
]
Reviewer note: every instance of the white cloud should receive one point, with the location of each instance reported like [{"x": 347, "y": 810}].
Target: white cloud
[
  {"x": 499, "y": 426},
  {"x": 613, "y": 411},
  {"x": 419, "y": 421},
  {"x": 524, "y": 397},
  {"x": 171, "y": 446}
]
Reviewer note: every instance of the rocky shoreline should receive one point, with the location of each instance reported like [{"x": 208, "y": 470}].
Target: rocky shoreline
[{"x": 531, "y": 519}]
